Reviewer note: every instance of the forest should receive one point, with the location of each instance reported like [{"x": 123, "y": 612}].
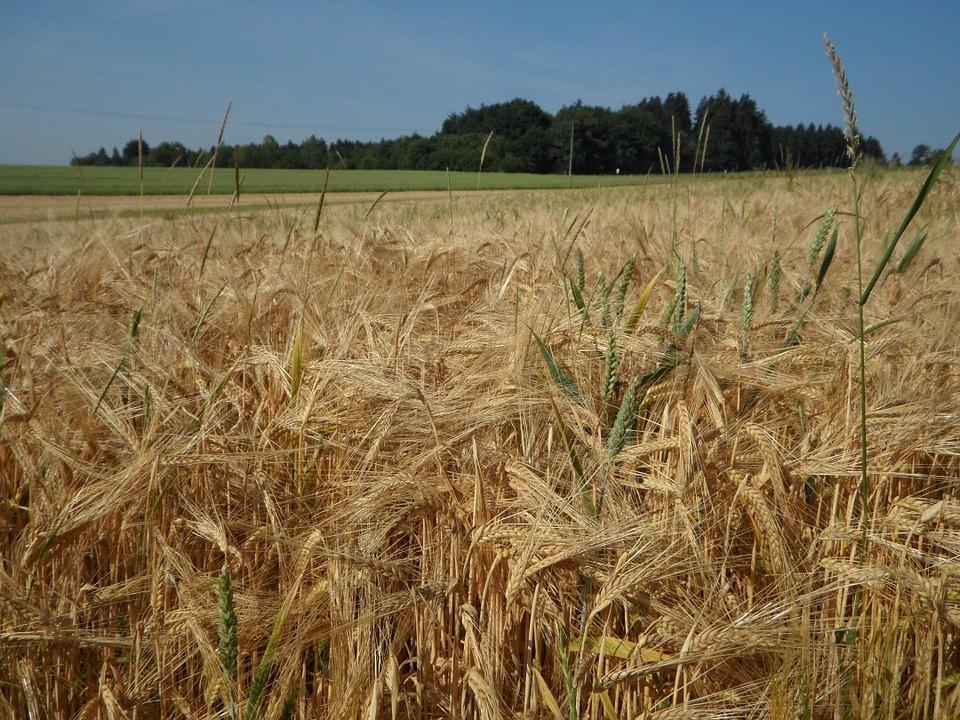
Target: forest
[{"x": 723, "y": 133}]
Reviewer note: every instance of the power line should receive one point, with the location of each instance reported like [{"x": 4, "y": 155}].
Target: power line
[{"x": 208, "y": 123}]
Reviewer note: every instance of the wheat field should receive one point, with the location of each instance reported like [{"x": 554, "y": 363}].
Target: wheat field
[{"x": 590, "y": 454}]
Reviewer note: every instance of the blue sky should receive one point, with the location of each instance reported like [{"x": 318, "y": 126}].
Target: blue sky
[{"x": 379, "y": 69}]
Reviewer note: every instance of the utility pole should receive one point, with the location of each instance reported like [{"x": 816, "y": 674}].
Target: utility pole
[{"x": 570, "y": 165}]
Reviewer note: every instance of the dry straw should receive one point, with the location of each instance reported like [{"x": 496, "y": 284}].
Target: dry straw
[{"x": 402, "y": 448}]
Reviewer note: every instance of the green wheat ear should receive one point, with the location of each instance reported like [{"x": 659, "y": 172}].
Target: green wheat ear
[
  {"x": 677, "y": 307},
  {"x": 827, "y": 259},
  {"x": 227, "y": 632},
  {"x": 626, "y": 273},
  {"x": 618, "y": 432},
  {"x": 816, "y": 245},
  {"x": 611, "y": 364},
  {"x": 773, "y": 281},
  {"x": 581, "y": 273},
  {"x": 746, "y": 310}
]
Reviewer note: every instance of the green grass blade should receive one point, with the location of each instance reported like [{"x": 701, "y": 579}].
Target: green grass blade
[
  {"x": 204, "y": 313},
  {"x": 578, "y": 299},
  {"x": 690, "y": 322},
  {"x": 260, "y": 677},
  {"x": 206, "y": 253},
  {"x": 557, "y": 373},
  {"x": 323, "y": 195},
  {"x": 215, "y": 395},
  {"x": 575, "y": 463},
  {"x": 877, "y": 325},
  {"x": 827, "y": 260},
  {"x": 670, "y": 362},
  {"x": 917, "y": 203},
  {"x": 912, "y": 251},
  {"x": 135, "y": 320},
  {"x": 119, "y": 369}
]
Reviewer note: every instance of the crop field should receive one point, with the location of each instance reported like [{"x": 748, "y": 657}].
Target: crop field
[
  {"x": 584, "y": 454},
  {"x": 92, "y": 180},
  {"x": 20, "y": 209}
]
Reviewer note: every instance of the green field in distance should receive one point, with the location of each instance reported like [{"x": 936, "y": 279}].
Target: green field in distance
[{"x": 93, "y": 180}]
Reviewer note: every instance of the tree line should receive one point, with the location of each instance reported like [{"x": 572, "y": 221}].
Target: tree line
[{"x": 723, "y": 134}]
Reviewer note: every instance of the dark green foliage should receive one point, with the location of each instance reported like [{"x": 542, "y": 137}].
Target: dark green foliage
[
  {"x": 740, "y": 134},
  {"x": 631, "y": 140},
  {"x": 817, "y": 146}
]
